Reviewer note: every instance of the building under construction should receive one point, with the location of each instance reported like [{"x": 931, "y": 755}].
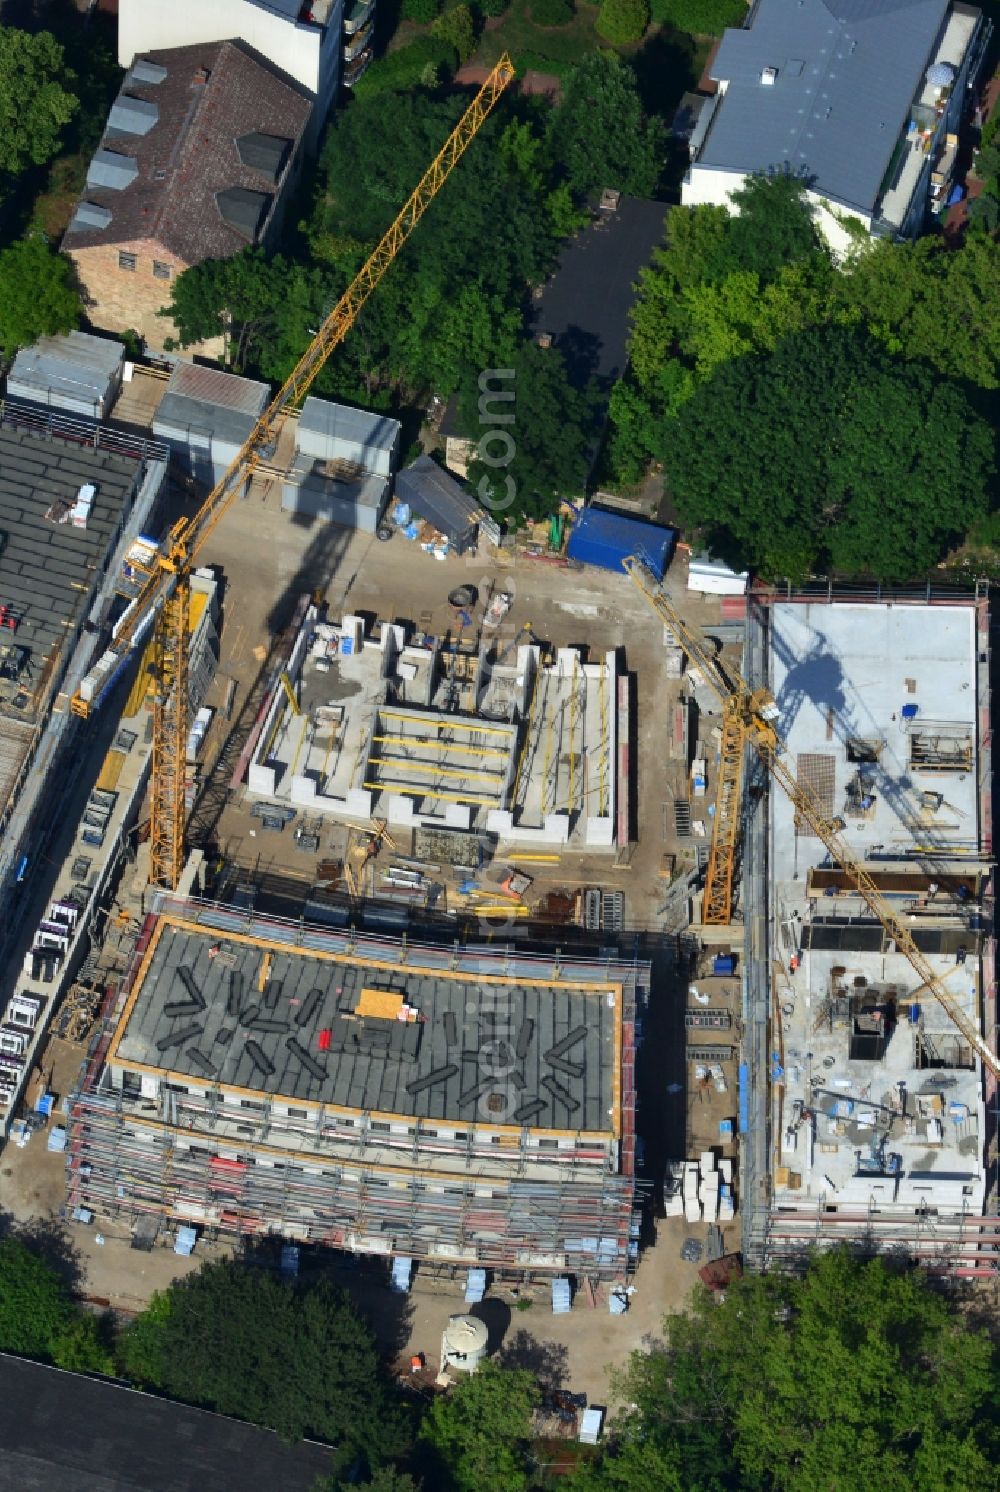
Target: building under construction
[
  {"x": 867, "y": 1115},
  {"x": 455, "y": 1105}
]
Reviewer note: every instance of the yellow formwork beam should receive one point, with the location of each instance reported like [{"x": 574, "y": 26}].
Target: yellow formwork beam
[
  {"x": 442, "y": 745},
  {"x": 430, "y": 792},
  {"x": 432, "y": 767},
  {"x": 476, "y": 729}
]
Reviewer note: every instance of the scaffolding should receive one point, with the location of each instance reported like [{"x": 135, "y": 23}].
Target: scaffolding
[
  {"x": 523, "y": 1202},
  {"x": 314, "y": 1181}
]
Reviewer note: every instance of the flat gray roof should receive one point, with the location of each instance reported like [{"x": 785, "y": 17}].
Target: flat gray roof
[
  {"x": 48, "y": 569},
  {"x": 342, "y": 422},
  {"x": 847, "y": 72},
  {"x": 285, "y": 1024},
  {"x": 77, "y": 364}
]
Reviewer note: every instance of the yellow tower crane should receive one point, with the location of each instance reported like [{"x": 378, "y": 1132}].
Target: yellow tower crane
[
  {"x": 754, "y": 711},
  {"x": 165, "y": 593}
]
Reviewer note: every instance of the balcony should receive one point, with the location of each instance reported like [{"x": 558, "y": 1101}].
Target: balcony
[
  {"x": 357, "y": 16},
  {"x": 354, "y": 70},
  {"x": 357, "y": 44}
]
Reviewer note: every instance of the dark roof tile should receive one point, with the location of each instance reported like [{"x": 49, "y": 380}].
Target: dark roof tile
[{"x": 212, "y": 98}]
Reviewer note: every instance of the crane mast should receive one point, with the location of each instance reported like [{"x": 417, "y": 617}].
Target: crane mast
[
  {"x": 756, "y": 713},
  {"x": 165, "y": 592}
]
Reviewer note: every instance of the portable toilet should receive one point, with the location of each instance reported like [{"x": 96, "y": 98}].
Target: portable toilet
[{"x": 463, "y": 1344}]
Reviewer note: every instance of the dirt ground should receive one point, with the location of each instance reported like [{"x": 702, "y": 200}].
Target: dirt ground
[{"x": 266, "y": 560}]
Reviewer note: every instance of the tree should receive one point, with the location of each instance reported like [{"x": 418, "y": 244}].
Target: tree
[
  {"x": 296, "y": 1359},
  {"x": 524, "y": 468},
  {"x": 476, "y": 1438},
  {"x": 35, "y": 1309},
  {"x": 828, "y": 452},
  {"x": 420, "y": 11},
  {"x": 931, "y": 303},
  {"x": 622, "y": 22},
  {"x": 699, "y": 17},
  {"x": 382, "y": 1479},
  {"x": 774, "y": 226},
  {"x": 39, "y": 1318},
  {"x": 551, "y": 12},
  {"x": 599, "y": 134},
  {"x": 859, "y": 1374},
  {"x": 34, "y": 105},
  {"x": 406, "y": 68},
  {"x": 238, "y": 299},
  {"x": 38, "y": 293},
  {"x": 457, "y": 28}
]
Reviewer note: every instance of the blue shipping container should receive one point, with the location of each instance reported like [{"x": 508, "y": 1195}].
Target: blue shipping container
[{"x": 606, "y": 539}]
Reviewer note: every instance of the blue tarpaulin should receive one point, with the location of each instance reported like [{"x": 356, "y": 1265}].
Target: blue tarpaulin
[{"x": 606, "y": 539}]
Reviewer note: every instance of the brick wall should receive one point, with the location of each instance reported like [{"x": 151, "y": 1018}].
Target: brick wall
[{"x": 119, "y": 299}]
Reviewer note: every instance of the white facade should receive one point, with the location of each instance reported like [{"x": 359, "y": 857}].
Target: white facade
[
  {"x": 308, "y": 51},
  {"x": 709, "y": 185}
]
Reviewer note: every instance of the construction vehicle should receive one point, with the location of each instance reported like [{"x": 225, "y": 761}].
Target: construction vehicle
[
  {"x": 751, "y": 716},
  {"x": 359, "y": 854},
  {"x": 164, "y": 596}
]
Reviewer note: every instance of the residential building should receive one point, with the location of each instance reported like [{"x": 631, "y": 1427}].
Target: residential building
[
  {"x": 862, "y": 99},
  {"x": 867, "y": 1116},
  {"x": 318, "y": 44},
  {"x": 462, "y": 1107},
  {"x": 201, "y": 151}
]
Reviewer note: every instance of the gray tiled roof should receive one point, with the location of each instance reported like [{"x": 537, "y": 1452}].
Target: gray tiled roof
[
  {"x": 182, "y": 133},
  {"x": 48, "y": 569},
  {"x": 204, "y": 1015},
  {"x": 847, "y": 72},
  {"x": 63, "y": 1432}
]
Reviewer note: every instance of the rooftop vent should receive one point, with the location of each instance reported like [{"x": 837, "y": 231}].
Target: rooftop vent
[
  {"x": 110, "y": 169},
  {"x": 768, "y": 77},
  {"x": 132, "y": 116},
  {"x": 201, "y": 77},
  {"x": 144, "y": 71},
  {"x": 609, "y": 200}
]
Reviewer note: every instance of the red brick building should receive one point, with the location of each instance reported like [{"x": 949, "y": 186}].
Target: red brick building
[{"x": 201, "y": 149}]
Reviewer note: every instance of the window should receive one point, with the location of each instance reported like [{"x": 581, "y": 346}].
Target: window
[
  {"x": 126, "y": 261},
  {"x": 160, "y": 270}
]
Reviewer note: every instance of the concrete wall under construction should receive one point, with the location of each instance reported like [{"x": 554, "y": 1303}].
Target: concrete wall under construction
[{"x": 530, "y": 751}]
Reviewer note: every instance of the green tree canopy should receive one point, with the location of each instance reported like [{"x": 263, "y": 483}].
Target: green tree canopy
[
  {"x": 622, "y": 22},
  {"x": 299, "y": 1360},
  {"x": 39, "y": 1317},
  {"x": 476, "y": 1438},
  {"x": 525, "y": 467},
  {"x": 34, "y": 104},
  {"x": 243, "y": 300},
  {"x": 458, "y": 28},
  {"x": 931, "y": 303},
  {"x": 599, "y": 135},
  {"x": 827, "y": 453},
  {"x": 38, "y": 293},
  {"x": 858, "y": 1375}
]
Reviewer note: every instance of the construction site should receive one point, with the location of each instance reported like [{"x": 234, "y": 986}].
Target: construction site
[
  {"x": 494, "y": 916},
  {"x": 470, "y": 1108},
  {"x": 871, "y": 1111},
  {"x": 405, "y": 726}
]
